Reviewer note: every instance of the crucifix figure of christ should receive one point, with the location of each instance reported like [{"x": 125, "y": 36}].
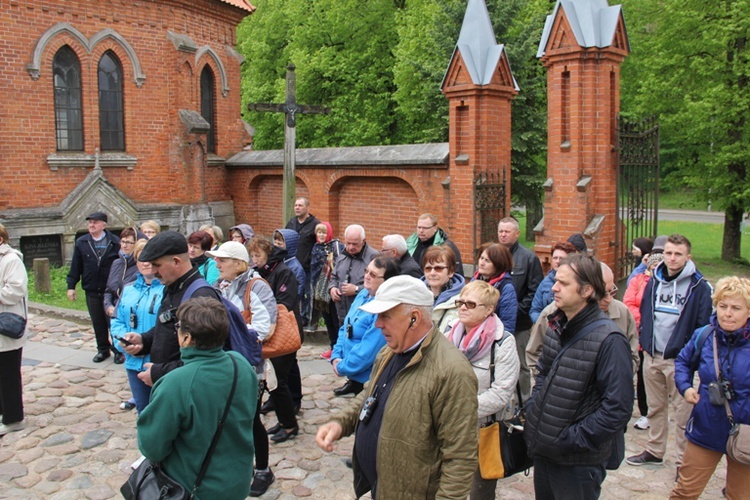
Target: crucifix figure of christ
[{"x": 290, "y": 108}]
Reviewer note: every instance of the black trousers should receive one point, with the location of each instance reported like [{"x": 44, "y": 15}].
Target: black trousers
[
  {"x": 11, "y": 386},
  {"x": 281, "y": 396},
  {"x": 100, "y": 320},
  {"x": 567, "y": 482},
  {"x": 260, "y": 436},
  {"x": 641, "y": 388},
  {"x": 331, "y": 319}
]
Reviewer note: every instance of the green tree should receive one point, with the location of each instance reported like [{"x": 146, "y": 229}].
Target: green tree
[{"x": 689, "y": 65}]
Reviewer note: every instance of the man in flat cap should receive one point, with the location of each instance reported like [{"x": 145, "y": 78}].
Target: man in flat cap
[
  {"x": 168, "y": 254},
  {"x": 415, "y": 424},
  {"x": 93, "y": 255}
]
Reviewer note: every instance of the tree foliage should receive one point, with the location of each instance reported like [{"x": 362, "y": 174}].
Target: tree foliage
[
  {"x": 379, "y": 64},
  {"x": 689, "y": 65}
]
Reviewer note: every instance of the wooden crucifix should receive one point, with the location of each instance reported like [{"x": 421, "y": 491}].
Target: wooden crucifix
[{"x": 290, "y": 108}]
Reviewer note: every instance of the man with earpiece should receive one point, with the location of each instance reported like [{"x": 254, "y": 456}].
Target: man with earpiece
[{"x": 415, "y": 423}]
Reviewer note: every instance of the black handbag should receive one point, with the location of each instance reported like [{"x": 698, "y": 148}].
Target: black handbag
[
  {"x": 150, "y": 482},
  {"x": 13, "y": 325}
]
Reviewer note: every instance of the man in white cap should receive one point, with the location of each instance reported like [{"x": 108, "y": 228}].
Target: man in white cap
[{"x": 415, "y": 424}]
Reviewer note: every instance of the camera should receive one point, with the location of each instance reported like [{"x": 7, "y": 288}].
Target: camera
[
  {"x": 720, "y": 391},
  {"x": 167, "y": 316},
  {"x": 368, "y": 408}
]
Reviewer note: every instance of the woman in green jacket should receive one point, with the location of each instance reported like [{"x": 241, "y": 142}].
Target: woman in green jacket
[{"x": 177, "y": 426}]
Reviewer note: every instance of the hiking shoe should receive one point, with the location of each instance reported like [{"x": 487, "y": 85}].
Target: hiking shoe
[
  {"x": 261, "y": 482},
  {"x": 642, "y": 423},
  {"x": 643, "y": 459}
]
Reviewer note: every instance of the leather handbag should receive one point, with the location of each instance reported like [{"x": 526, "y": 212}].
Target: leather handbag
[
  {"x": 285, "y": 337},
  {"x": 507, "y": 455},
  {"x": 149, "y": 481},
  {"x": 13, "y": 325},
  {"x": 738, "y": 442}
]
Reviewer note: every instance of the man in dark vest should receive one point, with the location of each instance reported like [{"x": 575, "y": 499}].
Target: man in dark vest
[{"x": 583, "y": 395}]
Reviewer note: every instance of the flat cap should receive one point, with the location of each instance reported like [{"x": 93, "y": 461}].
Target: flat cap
[
  {"x": 97, "y": 216},
  {"x": 165, "y": 243}
]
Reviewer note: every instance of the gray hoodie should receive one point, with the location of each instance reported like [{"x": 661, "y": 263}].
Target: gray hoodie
[{"x": 671, "y": 297}]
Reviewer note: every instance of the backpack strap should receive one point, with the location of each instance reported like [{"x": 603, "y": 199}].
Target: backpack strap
[
  {"x": 193, "y": 287},
  {"x": 698, "y": 341}
]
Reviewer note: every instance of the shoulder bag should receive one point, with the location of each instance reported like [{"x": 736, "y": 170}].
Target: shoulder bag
[
  {"x": 11, "y": 324},
  {"x": 502, "y": 449},
  {"x": 738, "y": 442},
  {"x": 150, "y": 481},
  {"x": 285, "y": 338}
]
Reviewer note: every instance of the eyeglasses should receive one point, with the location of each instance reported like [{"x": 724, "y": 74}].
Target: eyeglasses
[
  {"x": 372, "y": 274},
  {"x": 438, "y": 269},
  {"x": 470, "y": 304},
  {"x": 126, "y": 242},
  {"x": 613, "y": 292},
  {"x": 425, "y": 228}
]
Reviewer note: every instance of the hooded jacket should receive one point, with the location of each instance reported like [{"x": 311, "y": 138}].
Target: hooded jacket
[
  {"x": 282, "y": 281},
  {"x": 121, "y": 273},
  {"x": 322, "y": 251},
  {"x": 291, "y": 239},
  {"x": 708, "y": 425},
  {"x": 141, "y": 300},
  {"x": 306, "y": 232},
  {"x": 14, "y": 292},
  {"x": 444, "y": 311},
  {"x": 692, "y": 290},
  {"x": 246, "y": 229}
]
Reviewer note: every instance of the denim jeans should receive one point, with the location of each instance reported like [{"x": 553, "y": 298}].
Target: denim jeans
[{"x": 141, "y": 392}]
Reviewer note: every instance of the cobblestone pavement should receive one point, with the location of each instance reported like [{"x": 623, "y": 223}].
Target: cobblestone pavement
[{"x": 79, "y": 444}]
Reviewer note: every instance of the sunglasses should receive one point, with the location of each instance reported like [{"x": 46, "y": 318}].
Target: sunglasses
[
  {"x": 439, "y": 269},
  {"x": 470, "y": 304}
]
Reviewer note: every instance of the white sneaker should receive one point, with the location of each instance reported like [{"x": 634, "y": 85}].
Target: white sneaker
[
  {"x": 16, "y": 426},
  {"x": 642, "y": 423},
  {"x": 137, "y": 463}
]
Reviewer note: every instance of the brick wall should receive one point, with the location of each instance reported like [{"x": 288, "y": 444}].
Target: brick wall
[{"x": 154, "y": 134}]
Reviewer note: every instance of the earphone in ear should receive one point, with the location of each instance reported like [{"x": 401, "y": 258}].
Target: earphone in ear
[{"x": 413, "y": 320}]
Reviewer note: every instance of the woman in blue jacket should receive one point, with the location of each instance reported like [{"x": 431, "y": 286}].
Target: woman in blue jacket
[
  {"x": 359, "y": 339},
  {"x": 544, "y": 296},
  {"x": 708, "y": 428},
  {"x": 136, "y": 312},
  {"x": 494, "y": 266}
]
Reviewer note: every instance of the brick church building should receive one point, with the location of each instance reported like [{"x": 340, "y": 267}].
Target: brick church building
[{"x": 130, "y": 107}]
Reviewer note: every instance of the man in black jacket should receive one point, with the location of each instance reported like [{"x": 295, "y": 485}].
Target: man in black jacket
[
  {"x": 168, "y": 254},
  {"x": 304, "y": 224},
  {"x": 93, "y": 255},
  {"x": 526, "y": 275},
  {"x": 394, "y": 245},
  {"x": 583, "y": 396}
]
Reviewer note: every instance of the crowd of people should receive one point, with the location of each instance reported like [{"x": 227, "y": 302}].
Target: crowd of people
[{"x": 426, "y": 354}]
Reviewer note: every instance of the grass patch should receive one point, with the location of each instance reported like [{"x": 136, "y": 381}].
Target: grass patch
[
  {"x": 58, "y": 296},
  {"x": 681, "y": 200}
]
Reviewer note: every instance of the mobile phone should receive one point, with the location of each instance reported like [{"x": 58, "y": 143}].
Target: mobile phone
[{"x": 123, "y": 340}]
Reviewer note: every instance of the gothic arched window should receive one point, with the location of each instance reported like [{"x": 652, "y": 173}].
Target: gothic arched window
[
  {"x": 66, "y": 71},
  {"x": 111, "y": 121},
  {"x": 207, "y": 106}
]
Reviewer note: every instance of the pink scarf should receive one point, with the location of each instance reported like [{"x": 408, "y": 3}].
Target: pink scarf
[{"x": 477, "y": 343}]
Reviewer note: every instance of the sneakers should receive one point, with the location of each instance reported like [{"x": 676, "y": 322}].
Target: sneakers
[
  {"x": 327, "y": 355},
  {"x": 643, "y": 459},
  {"x": 127, "y": 405},
  {"x": 15, "y": 426},
  {"x": 262, "y": 480},
  {"x": 642, "y": 423}
]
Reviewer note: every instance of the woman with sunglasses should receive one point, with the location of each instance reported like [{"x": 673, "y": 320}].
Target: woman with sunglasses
[
  {"x": 359, "y": 339},
  {"x": 439, "y": 265},
  {"x": 478, "y": 334},
  {"x": 493, "y": 266}
]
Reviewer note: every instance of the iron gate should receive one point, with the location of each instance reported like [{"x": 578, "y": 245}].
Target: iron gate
[
  {"x": 489, "y": 204},
  {"x": 637, "y": 188}
]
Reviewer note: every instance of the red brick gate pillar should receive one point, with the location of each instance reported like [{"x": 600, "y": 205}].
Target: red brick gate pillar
[
  {"x": 582, "y": 51},
  {"x": 480, "y": 86}
]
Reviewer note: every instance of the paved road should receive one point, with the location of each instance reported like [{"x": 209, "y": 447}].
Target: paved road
[
  {"x": 692, "y": 216},
  {"x": 79, "y": 444}
]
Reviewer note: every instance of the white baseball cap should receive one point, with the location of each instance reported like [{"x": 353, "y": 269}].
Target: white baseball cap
[
  {"x": 231, "y": 250},
  {"x": 402, "y": 289}
]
